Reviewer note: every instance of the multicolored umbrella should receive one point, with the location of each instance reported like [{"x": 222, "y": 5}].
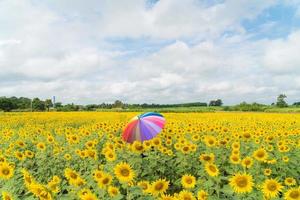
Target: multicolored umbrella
[{"x": 143, "y": 127}]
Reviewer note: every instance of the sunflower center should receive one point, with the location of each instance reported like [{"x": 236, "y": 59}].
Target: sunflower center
[
  {"x": 187, "y": 197},
  {"x": 185, "y": 148},
  {"x": 242, "y": 182},
  {"x": 295, "y": 194},
  {"x": 7, "y": 198},
  {"x": 139, "y": 147},
  {"x": 211, "y": 142},
  {"x": 212, "y": 168},
  {"x": 124, "y": 172},
  {"x": 247, "y": 162},
  {"x": 73, "y": 175},
  {"x": 272, "y": 186},
  {"x": 5, "y": 171},
  {"x": 105, "y": 181},
  {"x": 144, "y": 186},
  {"x": 159, "y": 186},
  {"x": 206, "y": 158},
  {"x": 260, "y": 154},
  {"x": 114, "y": 192},
  {"x": 189, "y": 181},
  {"x": 235, "y": 158}
]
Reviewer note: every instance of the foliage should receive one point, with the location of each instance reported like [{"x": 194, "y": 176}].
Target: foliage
[
  {"x": 280, "y": 101},
  {"x": 296, "y": 103},
  {"x": 38, "y": 105},
  {"x": 244, "y": 106},
  {"x": 217, "y": 102}
]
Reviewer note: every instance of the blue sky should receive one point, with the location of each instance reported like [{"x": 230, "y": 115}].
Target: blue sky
[{"x": 150, "y": 51}]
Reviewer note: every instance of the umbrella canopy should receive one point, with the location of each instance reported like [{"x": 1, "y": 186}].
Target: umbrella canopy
[{"x": 143, "y": 127}]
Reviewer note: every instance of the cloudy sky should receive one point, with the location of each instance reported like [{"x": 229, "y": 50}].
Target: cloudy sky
[{"x": 165, "y": 51}]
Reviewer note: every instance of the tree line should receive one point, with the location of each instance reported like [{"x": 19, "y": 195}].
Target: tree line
[{"x": 26, "y": 104}]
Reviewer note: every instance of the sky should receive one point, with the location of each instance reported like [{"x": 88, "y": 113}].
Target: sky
[{"x": 152, "y": 51}]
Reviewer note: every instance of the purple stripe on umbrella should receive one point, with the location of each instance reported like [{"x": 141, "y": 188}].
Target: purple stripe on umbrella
[
  {"x": 148, "y": 135},
  {"x": 154, "y": 129}
]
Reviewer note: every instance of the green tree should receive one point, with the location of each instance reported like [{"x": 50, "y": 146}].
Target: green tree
[
  {"x": 38, "y": 105},
  {"x": 118, "y": 104},
  {"x": 48, "y": 104},
  {"x": 6, "y": 104},
  {"x": 281, "y": 101},
  {"x": 217, "y": 102}
]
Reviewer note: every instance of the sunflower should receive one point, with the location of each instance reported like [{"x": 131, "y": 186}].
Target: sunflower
[
  {"x": 235, "y": 145},
  {"x": 110, "y": 156},
  {"x": 91, "y": 153},
  {"x": 73, "y": 177},
  {"x": 195, "y": 137},
  {"x": 292, "y": 194},
  {"x": 185, "y": 149},
  {"x": 235, "y": 152},
  {"x": 21, "y": 144},
  {"x": 267, "y": 172},
  {"x": 50, "y": 139},
  {"x": 123, "y": 172},
  {"x": 156, "y": 141},
  {"x": 29, "y": 154},
  {"x": 166, "y": 197},
  {"x": 260, "y": 154},
  {"x": 6, "y": 196},
  {"x": 6, "y": 170},
  {"x": 86, "y": 194},
  {"x": 98, "y": 174},
  {"x": 186, "y": 195},
  {"x": 137, "y": 147},
  {"x": 289, "y": 181},
  {"x": 41, "y": 146},
  {"x": 207, "y": 157},
  {"x": 211, "y": 169},
  {"x": 145, "y": 185},
  {"x": 113, "y": 191},
  {"x": 188, "y": 181},
  {"x": 28, "y": 180},
  {"x": 247, "y": 162},
  {"x": 147, "y": 144},
  {"x": 2, "y": 159},
  {"x": 67, "y": 156},
  {"x": 202, "y": 195},
  {"x": 241, "y": 183},
  {"x": 53, "y": 184},
  {"x": 159, "y": 187},
  {"x": 210, "y": 141},
  {"x": 19, "y": 155},
  {"x": 105, "y": 181},
  {"x": 285, "y": 159},
  {"x": 234, "y": 159},
  {"x": 271, "y": 188}
]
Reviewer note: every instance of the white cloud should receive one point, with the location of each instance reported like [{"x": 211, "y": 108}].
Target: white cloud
[{"x": 282, "y": 55}]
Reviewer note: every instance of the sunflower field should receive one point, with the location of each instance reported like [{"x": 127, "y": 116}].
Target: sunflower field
[{"x": 81, "y": 155}]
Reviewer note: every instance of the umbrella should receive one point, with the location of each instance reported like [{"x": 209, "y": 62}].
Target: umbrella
[{"x": 143, "y": 127}]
